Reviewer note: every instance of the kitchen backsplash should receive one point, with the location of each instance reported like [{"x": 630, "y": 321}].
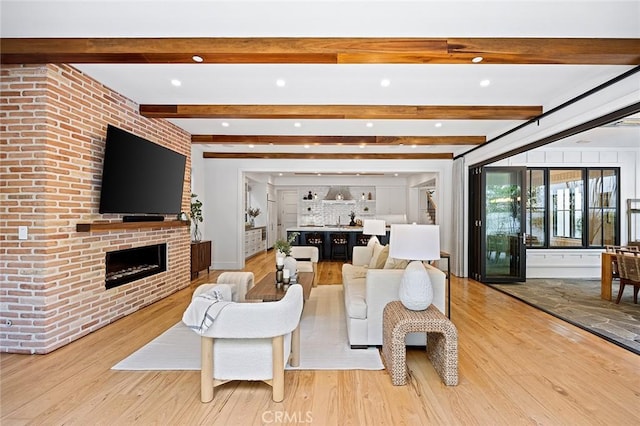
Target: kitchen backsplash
[{"x": 318, "y": 211}]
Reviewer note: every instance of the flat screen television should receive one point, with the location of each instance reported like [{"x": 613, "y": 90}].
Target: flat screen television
[{"x": 140, "y": 177}]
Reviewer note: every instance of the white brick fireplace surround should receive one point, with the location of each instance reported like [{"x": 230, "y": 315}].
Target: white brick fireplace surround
[{"x": 54, "y": 121}]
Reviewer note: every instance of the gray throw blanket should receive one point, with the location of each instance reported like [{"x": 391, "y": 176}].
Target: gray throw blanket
[{"x": 203, "y": 310}]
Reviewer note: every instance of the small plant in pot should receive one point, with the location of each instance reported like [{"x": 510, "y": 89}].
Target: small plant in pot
[
  {"x": 284, "y": 246},
  {"x": 196, "y": 217}
]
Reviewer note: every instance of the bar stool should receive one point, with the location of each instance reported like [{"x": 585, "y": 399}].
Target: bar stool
[
  {"x": 362, "y": 239},
  {"x": 316, "y": 239},
  {"x": 339, "y": 246}
]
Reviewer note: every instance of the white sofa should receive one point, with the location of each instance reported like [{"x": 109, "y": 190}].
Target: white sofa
[{"x": 367, "y": 291}]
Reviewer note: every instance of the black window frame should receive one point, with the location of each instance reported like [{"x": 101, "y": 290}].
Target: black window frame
[{"x": 586, "y": 172}]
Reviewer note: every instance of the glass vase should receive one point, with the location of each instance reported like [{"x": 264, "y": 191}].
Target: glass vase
[{"x": 197, "y": 234}]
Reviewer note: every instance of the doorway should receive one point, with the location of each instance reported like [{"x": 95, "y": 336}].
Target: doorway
[
  {"x": 497, "y": 251},
  {"x": 287, "y": 212}
]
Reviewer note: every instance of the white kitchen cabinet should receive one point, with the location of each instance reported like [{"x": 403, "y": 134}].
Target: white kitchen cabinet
[
  {"x": 391, "y": 200},
  {"x": 254, "y": 241}
]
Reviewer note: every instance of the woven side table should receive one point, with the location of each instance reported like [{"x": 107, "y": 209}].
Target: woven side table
[{"x": 442, "y": 341}]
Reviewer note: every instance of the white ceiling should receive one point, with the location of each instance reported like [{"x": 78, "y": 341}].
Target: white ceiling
[{"x": 428, "y": 84}]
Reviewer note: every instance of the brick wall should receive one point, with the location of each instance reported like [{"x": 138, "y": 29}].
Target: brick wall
[{"x": 53, "y": 126}]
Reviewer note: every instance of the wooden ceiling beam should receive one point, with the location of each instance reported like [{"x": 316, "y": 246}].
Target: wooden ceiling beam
[
  {"x": 337, "y": 140},
  {"x": 608, "y": 51},
  {"x": 325, "y": 156},
  {"x": 354, "y": 112}
]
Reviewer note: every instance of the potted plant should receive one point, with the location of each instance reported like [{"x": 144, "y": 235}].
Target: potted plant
[
  {"x": 283, "y": 253},
  {"x": 284, "y": 246},
  {"x": 196, "y": 217}
]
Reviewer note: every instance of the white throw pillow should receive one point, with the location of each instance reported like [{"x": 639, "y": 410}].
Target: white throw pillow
[
  {"x": 416, "y": 291},
  {"x": 377, "y": 249},
  {"x": 373, "y": 240}
]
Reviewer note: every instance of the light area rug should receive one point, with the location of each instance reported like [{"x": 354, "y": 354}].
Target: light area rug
[{"x": 323, "y": 341}]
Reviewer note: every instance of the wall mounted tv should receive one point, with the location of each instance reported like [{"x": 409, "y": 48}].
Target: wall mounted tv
[{"x": 140, "y": 177}]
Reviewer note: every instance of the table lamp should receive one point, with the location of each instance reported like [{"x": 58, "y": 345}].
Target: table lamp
[
  {"x": 415, "y": 243},
  {"x": 374, "y": 227}
]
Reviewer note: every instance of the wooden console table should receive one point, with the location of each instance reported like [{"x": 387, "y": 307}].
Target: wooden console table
[{"x": 200, "y": 257}]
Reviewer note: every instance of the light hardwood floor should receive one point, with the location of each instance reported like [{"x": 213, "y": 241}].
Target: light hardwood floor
[{"x": 517, "y": 366}]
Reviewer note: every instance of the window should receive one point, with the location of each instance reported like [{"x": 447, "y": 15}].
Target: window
[
  {"x": 603, "y": 201},
  {"x": 536, "y": 212},
  {"x": 572, "y": 207},
  {"x": 567, "y": 198}
]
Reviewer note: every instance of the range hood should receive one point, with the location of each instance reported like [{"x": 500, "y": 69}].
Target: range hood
[{"x": 338, "y": 193}]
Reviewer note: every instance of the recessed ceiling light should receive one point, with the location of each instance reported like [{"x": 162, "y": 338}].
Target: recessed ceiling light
[
  {"x": 477, "y": 59},
  {"x": 385, "y": 82},
  {"x": 362, "y": 146},
  {"x": 279, "y": 174},
  {"x": 197, "y": 58},
  {"x": 224, "y": 124},
  {"x": 297, "y": 124},
  {"x": 369, "y": 124},
  {"x": 251, "y": 145},
  {"x": 395, "y": 174},
  {"x": 485, "y": 83},
  {"x": 438, "y": 124},
  {"x": 306, "y": 146},
  {"x": 581, "y": 141},
  {"x": 414, "y": 146},
  {"x": 281, "y": 82},
  {"x": 176, "y": 82}
]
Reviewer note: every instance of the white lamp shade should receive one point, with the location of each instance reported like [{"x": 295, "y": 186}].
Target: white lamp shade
[
  {"x": 374, "y": 227},
  {"x": 415, "y": 242}
]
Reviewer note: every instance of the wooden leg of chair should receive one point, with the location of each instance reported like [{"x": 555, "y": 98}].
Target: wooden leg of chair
[
  {"x": 635, "y": 293},
  {"x": 622, "y": 284},
  {"x": 295, "y": 347},
  {"x": 206, "y": 369},
  {"x": 277, "y": 348}
]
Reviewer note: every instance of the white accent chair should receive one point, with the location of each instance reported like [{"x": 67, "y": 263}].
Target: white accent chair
[
  {"x": 307, "y": 257},
  {"x": 248, "y": 341},
  {"x": 239, "y": 283}
]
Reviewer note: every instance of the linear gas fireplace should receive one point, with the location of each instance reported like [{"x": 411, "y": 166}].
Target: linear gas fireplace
[{"x": 124, "y": 266}]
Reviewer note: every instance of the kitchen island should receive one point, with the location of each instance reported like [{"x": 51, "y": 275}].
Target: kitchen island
[{"x": 325, "y": 251}]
